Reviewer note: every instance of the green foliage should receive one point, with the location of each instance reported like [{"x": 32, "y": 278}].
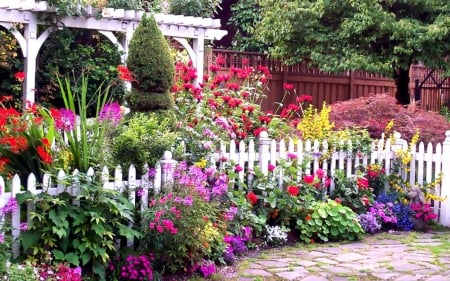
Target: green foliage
[
  {"x": 81, "y": 230},
  {"x": 445, "y": 111},
  {"x": 19, "y": 272},
  {"x": 377, "y": 36},
  {"x": 245, "y": 16},
  {"x": 84, "y": 143},
  {"x": 148, "y": 102},
  {"x": 351, "y": 194},
  {"x": 143, "y": 140},
  {"x": 73, "y": 53},
  {"x": 150, "y": 62},
  {"x": 195, "y": 8},
  {"x": 330, "y": 221}
]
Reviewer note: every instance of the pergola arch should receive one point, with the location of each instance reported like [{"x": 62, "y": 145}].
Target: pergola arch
[{"x": 180, "y": 28}]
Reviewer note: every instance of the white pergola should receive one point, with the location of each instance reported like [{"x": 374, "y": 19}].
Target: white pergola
[{"x": 181, "y": 28}]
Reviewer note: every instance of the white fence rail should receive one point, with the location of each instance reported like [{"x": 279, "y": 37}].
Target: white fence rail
[{"x": 426, "y": 165}]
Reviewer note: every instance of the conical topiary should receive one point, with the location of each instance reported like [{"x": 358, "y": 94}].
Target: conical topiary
[{"x": 153, "y": 68}]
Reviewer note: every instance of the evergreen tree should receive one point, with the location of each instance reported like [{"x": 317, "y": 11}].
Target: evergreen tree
[{"x": 152, "y": 66}]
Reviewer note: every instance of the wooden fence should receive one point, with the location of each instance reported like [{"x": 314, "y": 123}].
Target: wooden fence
[
  {"x": 427, "y": 163},
  {"x": 333, "y": 87},
  {"x": 322, "y": 86}
]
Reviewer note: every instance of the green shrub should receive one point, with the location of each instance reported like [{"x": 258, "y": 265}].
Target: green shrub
[
  {"x": 143, "y": 140},
  {"x": 329, "y": 221},
  {"x": 81, "y": 230},
  {"x": 153, "y": 68}
]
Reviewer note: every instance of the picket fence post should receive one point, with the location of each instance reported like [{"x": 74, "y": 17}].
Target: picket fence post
[
  {"x": 168, "y": 169},
  {"x": 445, "y": 186},
  {"x": 263, "y": 151}
]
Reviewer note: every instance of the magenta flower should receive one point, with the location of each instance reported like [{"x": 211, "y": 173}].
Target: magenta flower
[
  {"x": 271, "y": 167},
  {"x": 292, "y": 156},
  {"x": 111, "y": 112}
]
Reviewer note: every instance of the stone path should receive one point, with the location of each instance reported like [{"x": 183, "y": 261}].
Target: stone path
[{"x": 395, "y": 256}]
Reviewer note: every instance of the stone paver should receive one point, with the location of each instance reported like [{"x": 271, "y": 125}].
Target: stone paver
[{"x": 380, "y": 257}]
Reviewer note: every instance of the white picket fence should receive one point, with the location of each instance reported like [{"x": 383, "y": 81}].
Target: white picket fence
[{"x": 426, "y": 165}]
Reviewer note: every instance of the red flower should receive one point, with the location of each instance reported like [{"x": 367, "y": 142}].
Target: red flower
[
  {"x": 20, "y": 76},
  {"x": 251, "y": 196},
  {"x": 293, "y": 190},
  {"x": 220, "y": 60},
  {"x": 3, "y": 162},
  {"x": 362, "y": 183},
  {"x": 308, "y": 218},
  {"x": 338, "y": 200},
  {"x": 365, "y": 200},
  {"x": 304, "y": 98},
  {"x": 44, "y": 155},
  {"x": 124, "y": 73},
  {"x": 308, "y": 179},
  {"x": 288, "y": 86}
]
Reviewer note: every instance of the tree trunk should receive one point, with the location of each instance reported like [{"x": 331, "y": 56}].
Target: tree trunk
[{"x": 401, "y": 77}]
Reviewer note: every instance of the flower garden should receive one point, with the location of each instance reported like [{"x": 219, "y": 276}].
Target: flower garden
[{"x": 206, "y": 215}]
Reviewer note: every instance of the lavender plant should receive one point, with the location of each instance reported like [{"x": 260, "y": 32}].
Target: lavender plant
[{"x": 369, "y": 222}]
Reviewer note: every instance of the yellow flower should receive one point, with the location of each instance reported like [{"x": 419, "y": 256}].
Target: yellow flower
[{"x": 201, "y": 164}]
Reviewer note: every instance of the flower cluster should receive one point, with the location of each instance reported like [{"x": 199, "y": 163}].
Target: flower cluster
[
  {"x": 236, "y": 245},
  {"x": 132, "y": 268},
  {"x": 423, "y": 211},
  {"x": 276, "y": 235},
  {"x": 60, "y": 271},
  {"x": 24, "y": 140},
  {"x": 384, "y": 213},
  {"x": 369, "y": 222}
]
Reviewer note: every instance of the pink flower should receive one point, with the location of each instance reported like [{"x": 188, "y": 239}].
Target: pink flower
[
  {"x": 292, "y": 156},
  {"x": 308, "y": 179},
  {"x": 271, "y": 167},
  {"x": 320, "y": 173},
  {"x": 238, "y": 168}
]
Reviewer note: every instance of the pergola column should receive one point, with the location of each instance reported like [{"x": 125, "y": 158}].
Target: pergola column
[{"x": 30, "y": 51}]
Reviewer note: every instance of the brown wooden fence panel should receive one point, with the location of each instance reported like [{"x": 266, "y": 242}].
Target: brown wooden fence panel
[{"x": 322, "y": 86}]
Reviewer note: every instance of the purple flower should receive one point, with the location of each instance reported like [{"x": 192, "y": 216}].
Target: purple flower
[
  {"x": 67, "y": 120},
  {"x": 232, "y": 211},
  {"x": 208, "y": 269},
  {"x": 151, "y": 173},
  {"x": 23, "y": 227},
  {"x": 139, "y": 192},
  {"x": 187, "y": 201},
  {"x": 111, "y": 112},
  {"x": 10, "y": 206}
]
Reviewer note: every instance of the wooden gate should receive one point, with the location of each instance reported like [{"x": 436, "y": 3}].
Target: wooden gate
[{"x": 432, "y": 88}]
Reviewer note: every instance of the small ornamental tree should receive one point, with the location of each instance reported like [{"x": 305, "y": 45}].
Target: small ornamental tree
[{"x": 153, "y": 68}]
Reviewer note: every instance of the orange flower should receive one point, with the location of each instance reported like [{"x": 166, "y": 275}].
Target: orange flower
[{"x": 308, "y": 218}]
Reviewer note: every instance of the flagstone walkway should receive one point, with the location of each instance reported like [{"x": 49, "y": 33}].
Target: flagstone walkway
[{"x": 395, "y": 256}]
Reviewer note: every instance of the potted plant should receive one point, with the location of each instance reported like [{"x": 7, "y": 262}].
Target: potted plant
[{"x": 422, "y": 214}]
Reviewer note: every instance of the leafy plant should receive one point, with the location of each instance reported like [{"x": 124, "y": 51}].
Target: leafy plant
[
  {"x": 142, "y": 140},
  {"x": 84, "y": 141},
  {"x": 80, "y": 229},
  {"x": 195, "y": 8},
  {"x": 330, "y": 221},
  {"x": 20, "y": 272},
  {"x": 353, "y": 192}
]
